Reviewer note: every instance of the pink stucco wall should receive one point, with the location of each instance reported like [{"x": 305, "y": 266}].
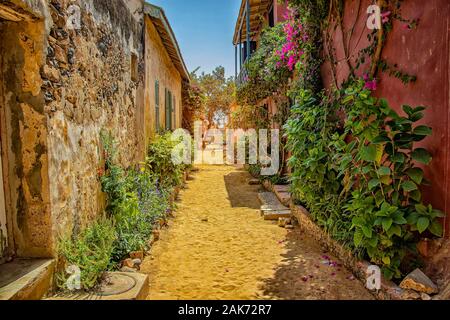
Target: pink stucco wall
[{"x": 423, "y": 52}]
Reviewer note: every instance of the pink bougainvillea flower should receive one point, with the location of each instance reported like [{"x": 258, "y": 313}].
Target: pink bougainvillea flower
[
  {"x": 371, "y": 85},
  {"x": 291, "y": 63},
  {"x": 385, "y": 16}
]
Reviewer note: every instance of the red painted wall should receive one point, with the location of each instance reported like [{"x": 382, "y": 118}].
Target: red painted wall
[
  {"x": 423, "y": 52},
  {"x": 280, "y": 10}
]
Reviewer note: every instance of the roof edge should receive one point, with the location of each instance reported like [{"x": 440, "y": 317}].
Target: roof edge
[{"x": 156, "y": 12}]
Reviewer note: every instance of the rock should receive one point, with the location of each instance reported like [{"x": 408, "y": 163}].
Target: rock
[
  {"x": 423, "y": 247},
  {"x": 156, "y": 235},
  {"x": 127, "y": 269},
  {"x": 410, "y": 295},
  {"x": 425, "y": 297},
  {"x": 71, "y": 55},
  {"x": 205, "y": 220},
  {"x": 254, "y": 182},
  {"x": 137, "y": 255},
  {"x": 419, "y": 282},
  {"x": 283, "y": 222},
  {"x": 137, "y": 263},
  {"x": 60, "y": 54},
  {"x": 51, "y": 73},
  {"x": 289, "y": 227},
  {"x": 128, "y": 263}
]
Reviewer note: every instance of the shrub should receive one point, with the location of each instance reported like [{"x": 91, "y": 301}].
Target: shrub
[
  {"x": 359, "y": 174},
  {"x": 90, "y": 251},
  {"x": 159, "y": 162},
  {"x": 136, "y": 216}
]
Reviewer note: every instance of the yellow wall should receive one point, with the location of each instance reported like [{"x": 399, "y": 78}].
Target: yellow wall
[{"x": 159, "y": 67}]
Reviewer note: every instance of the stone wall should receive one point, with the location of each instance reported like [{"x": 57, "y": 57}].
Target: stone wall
[
  {"x": 62, "y": 87},
  {"x": 24, "y": 131},
  {"x": 159, "y": 67}
]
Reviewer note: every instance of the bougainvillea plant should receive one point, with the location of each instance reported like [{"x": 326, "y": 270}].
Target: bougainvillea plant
[{"x": 291, "y": 53}]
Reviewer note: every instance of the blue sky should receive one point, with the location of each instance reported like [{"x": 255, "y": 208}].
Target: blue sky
[{"x": 204, "y": 30}]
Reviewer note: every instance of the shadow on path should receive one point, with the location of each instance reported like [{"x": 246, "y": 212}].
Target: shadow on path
[{"x": 240, "y": 193}]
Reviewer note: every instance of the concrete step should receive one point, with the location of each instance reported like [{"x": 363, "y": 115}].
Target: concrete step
[
  {"x": 283, "y": 194},
  {"x": 272, "y": 208},
  {"x": 276, "y": 215},
  {"x": 26, "y": 279}
]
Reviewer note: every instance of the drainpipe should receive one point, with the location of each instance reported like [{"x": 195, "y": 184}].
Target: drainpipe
[
  {"x": 235, "y": 62},
  {"x": 240, "y": 50},
  {"x": 248, "y": 29}
]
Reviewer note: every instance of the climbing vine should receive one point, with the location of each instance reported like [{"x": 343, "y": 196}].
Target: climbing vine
[{"x": 354, "y": 159}]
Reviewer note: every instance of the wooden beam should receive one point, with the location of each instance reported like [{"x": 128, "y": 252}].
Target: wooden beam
[{"x": 10, "y": 14}]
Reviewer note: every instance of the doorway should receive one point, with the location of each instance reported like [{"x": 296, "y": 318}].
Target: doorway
[{"x": 3, "y": 212}]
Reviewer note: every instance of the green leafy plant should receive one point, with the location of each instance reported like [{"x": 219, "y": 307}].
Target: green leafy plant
[
  {"x": 90, "y": 251},
  {"x": 137, "y": 198},
  {"x": 380, "y": 165},
  {"x": 159, "y": 162},
  {"x": 314, "y": 174},
  {"x": 136, "y": 217}
]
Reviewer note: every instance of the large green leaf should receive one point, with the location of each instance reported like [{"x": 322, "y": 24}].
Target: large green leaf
[
  {"x": 387, "y": 223},
  {"x": 367, "y": 231},
  {"x": 384, "y": 171},
  {"x": 436, "y": 229},
  {"x": 398, "y": 157},
  {"x": 409, "y": 186},
  {"x": 421, "y": 155},
  {"x": 423, "y": 131},
  {"x": 373, "y": 183},
  {"x": 423, "y": 224},
  {"x": 416, "y": 174},
  {"x": 416, "y": 195},
  {"x": 358, "y": 238},
  {"x": 369, "y": 153},
  {"x": 381, "y": 140}
]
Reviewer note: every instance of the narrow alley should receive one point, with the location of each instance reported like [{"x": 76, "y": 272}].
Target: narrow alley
[{"x": 219, "y": 247}]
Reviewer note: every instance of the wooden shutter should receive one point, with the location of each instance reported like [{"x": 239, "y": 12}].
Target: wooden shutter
[
  {"x": 174, "y": 113},
  {"x": 157, "y": 105},
  {"x": 168, "y": 110}
]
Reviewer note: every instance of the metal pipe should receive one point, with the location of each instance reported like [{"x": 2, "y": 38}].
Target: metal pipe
[
  {"x": 248, "y": 29},
  {"x": 235, "y": 63}
]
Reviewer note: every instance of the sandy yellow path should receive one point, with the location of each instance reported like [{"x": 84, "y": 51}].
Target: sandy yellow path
[{"x": 219, "y": 247}]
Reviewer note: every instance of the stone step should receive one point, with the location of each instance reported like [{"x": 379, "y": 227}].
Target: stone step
[
  {"x": 283, "y": 194},
  {"x": 26, "y": 279},
  {"x": 270, "y": 199},
  {"x": 272, "y": 208},
  {"x": 276, "y": 215}
]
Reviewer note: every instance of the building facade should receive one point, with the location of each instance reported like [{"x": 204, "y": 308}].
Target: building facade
[
  {"x": 164, "y": 72},
  {"x": 68, "y": 71},
  {"x": 254, "y": 16}
]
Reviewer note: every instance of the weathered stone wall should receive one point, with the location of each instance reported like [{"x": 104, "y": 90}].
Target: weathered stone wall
[
  {"x": 90, "y": 85},
  {"x": 24, "y": 132},
  {"x": 62, "y": 86},
  {"x": 159, "y": 67}
]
